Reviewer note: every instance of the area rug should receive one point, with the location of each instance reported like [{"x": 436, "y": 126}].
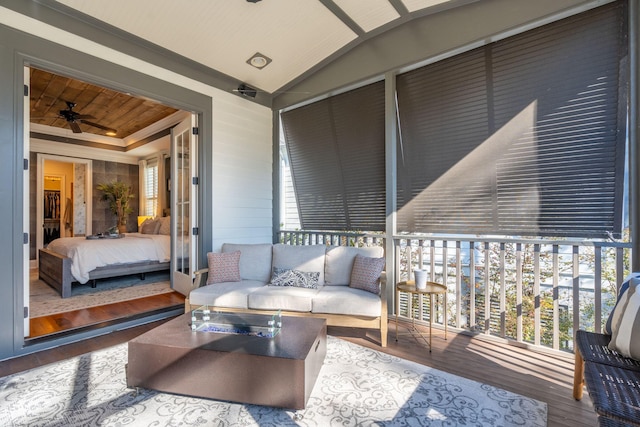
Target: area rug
[
  {"x": 357, "y": 386},
  {"x": 44, "y": 300}
]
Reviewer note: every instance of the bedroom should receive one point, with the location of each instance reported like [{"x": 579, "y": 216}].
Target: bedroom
[{"x": 65, "y": 168}]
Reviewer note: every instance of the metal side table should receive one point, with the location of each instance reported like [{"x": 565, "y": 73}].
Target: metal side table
[{"x": 432, "y": 290}]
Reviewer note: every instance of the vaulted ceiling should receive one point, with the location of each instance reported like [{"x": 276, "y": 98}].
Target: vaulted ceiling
[{"x": 295, "y": 37}]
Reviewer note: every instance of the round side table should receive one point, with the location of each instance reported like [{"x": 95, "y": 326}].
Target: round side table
[{"x": 432, "y": 290}]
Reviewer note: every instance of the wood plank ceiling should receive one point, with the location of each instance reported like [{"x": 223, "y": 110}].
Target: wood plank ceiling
[{"x": 49, "y": 94}]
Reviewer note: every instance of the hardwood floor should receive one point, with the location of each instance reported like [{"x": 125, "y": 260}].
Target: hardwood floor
[
  {"x": 543, "y": 376},
  {"x": 72, "y": 321}
]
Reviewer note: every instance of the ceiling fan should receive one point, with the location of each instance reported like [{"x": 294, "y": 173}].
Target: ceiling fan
[{"x": 74, "y": 119}]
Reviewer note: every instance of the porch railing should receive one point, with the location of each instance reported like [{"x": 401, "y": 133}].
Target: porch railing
[{"x": 532, "y": 291}]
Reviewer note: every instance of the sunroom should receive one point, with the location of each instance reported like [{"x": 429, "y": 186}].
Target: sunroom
[{"x": 496, "y": 150}]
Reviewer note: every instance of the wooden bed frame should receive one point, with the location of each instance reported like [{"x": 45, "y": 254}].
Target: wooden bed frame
[{"x": 55, "y": 270}]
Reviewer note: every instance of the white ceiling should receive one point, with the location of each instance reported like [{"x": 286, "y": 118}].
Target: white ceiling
[{"x": 297, "y": 35}]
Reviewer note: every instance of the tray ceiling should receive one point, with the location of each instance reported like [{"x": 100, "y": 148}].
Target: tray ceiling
[{"x": 49, "y": 94}]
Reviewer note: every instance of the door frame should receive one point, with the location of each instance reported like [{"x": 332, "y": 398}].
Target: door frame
[
  {"x": 92, "y": 69},
  {"x": 41, "y": 158}
]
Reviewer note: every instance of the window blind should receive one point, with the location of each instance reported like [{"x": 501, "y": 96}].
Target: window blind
[
  {"x": 525, "y": 136},
  {"x": 336, "y": 152},
  {"x": 151, "y": 187}
]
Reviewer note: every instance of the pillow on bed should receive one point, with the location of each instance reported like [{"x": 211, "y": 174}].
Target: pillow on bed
[
  {"x": 223, "y": 267},
  {"x": 150, "y": 226},
  {"x": 165, "y": 225}
]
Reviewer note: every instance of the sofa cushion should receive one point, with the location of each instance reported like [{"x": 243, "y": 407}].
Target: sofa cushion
[
  {"x": 308, "y": 258},
  {"x": 625, "y": 337},
  {"x": 282, "y": 298},
  {"x": 255, "y": 260},
  {"x": 299, "y": 279},
  {"x": 228, "y": 294},
  {"x": 366, "y": 274},
  {"x": 339, "y": 262},
  {"x": 223, "y": 267},
  {"x": 346, "y": 300}
]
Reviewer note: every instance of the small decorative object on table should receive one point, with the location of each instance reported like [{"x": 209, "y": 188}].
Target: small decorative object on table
[
  {"x": 105, "y": 236},
  {"x": 421, "y": 278}
]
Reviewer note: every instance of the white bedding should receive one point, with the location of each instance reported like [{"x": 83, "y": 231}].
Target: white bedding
[{"x": 87, "y": 255}]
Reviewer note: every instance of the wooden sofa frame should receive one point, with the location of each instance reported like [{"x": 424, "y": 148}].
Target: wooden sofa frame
[{"x": 55, "y": 270}]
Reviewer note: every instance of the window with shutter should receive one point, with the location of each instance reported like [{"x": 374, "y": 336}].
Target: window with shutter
[
  {"x": 525, "y": 136},
  {"x": 336, "y": 153},
  {"x": 151, "y": 187}
]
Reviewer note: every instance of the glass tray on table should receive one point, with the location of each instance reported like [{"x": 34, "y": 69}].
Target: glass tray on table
[{"x": 203, "y": 319}]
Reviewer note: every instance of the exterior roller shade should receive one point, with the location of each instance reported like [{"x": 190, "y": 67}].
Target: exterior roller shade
[
  {"x": 336, "y": 153},
  {"x": 525, "y": 136}
]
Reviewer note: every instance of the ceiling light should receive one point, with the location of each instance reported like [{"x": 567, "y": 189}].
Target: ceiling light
[
  {"x": 111, "y": 132},
  {"x": 259, "y": 60}
]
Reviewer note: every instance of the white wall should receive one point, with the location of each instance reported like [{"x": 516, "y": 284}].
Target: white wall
[{"x": 242, "y": 168}]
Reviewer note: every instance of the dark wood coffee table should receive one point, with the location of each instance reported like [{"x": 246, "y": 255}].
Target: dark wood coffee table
[{"x": 279, "y": 371}]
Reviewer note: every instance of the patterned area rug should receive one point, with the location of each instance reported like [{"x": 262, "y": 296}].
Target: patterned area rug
[
  {"x": 356, "y": 387},
  {"x": 44, "y": 300}
]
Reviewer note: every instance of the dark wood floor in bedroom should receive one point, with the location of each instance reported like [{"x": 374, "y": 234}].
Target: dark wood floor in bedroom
[
  {"x": 540, "y": 375},
  {"x": 95, "y": 316}
]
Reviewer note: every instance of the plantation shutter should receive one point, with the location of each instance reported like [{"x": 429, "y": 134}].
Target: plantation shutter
[
  {"x": 525, "y": 136},
  {"x": 336, "y": 153},
  {"x": 151, "y": 187}
]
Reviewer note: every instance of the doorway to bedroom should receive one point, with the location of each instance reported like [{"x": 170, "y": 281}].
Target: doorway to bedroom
[{"x": 64, "y": 203}]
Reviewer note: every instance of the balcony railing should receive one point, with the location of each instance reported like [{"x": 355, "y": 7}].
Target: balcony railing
[{"x": 529, "y": 290}]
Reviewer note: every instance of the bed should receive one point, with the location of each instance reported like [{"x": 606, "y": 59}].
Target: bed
[{"x": 78, "y": 259}]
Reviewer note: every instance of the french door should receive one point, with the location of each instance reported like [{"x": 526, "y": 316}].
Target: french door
[{"x": 183, "y": 204}]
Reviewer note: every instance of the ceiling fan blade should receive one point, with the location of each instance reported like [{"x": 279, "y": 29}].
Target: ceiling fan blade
[
  {"x": 75, "y": 127},
  {"x": 99, "y": 126},
  {"x": 83, "y": 116}
]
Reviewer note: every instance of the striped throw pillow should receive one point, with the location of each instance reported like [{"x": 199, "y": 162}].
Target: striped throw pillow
[
  {"x": 621, "y": 295},
  {"x": 625, "y": 326}
]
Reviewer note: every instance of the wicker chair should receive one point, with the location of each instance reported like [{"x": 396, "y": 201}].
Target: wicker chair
[
  {"x": 613, "y": 381},
  {"x": 607, "y": 422}
]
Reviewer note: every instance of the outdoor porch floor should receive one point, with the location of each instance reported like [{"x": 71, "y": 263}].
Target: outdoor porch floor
[{"x": 540, "y": 375}]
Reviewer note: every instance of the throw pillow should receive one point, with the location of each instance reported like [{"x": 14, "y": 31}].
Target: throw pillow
[
  {"x": 223, "y": 267},
  {"x": 165, "y": 225},
  {"x": 366, "y": 272},
  {"x": 296, "y": 278},
  {"x": 150, "y": 226},
  {"x": 625, "y": 338},
  {"x": 615, "y": 312}
]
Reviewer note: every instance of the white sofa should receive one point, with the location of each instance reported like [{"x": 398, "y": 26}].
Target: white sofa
[{"x": 333, "y": 299}]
